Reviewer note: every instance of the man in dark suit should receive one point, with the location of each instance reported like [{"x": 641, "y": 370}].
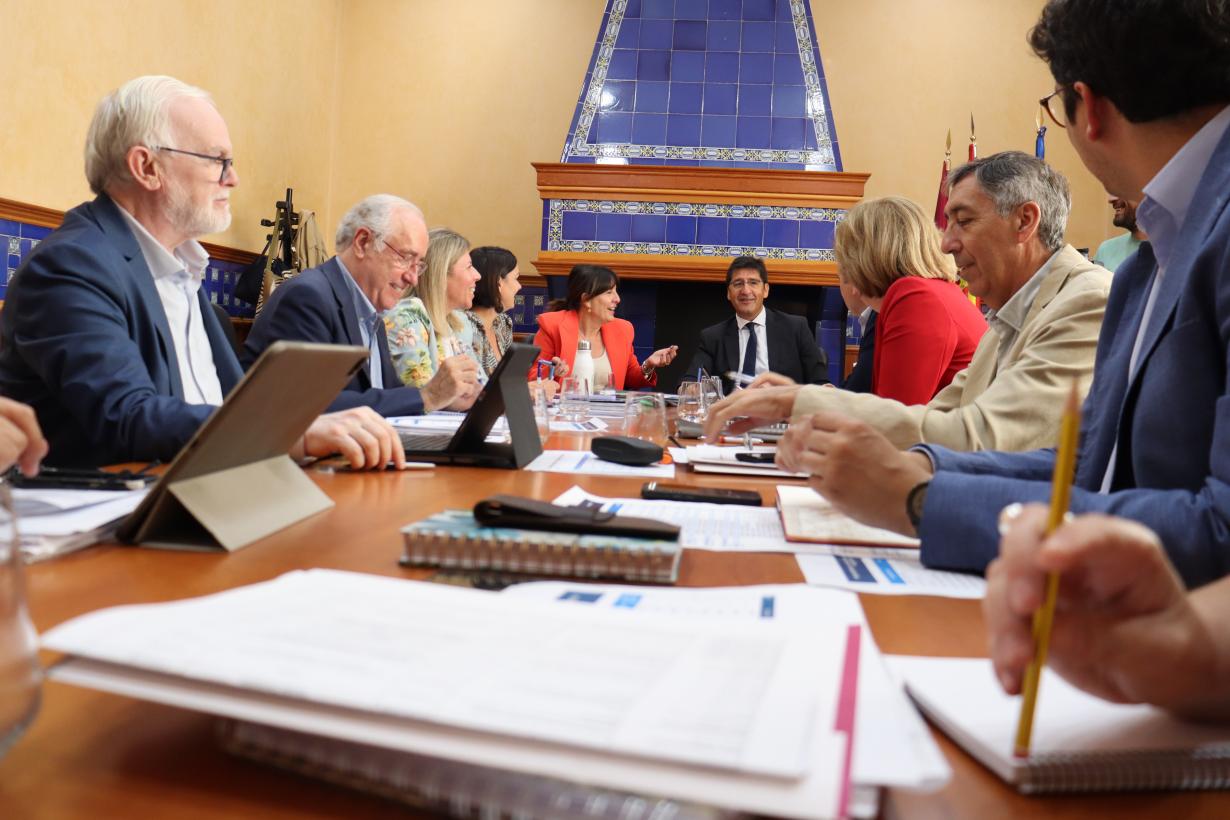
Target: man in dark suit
[
  {"x": 859, "y": 380},
  {"x": 381, "y": 243},
  {"x": 106, "y": 332},
  {"x": 758, "y": 339},
  {"x": 1155, "y": 427}
]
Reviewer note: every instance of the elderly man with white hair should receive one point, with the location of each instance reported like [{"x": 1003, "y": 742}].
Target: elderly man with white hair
[
  {"x": 380, "y": 245},
  {"x": 105, "y": 332}
]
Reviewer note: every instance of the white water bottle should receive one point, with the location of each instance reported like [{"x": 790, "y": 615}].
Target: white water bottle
[{"x": 583, "y": 366}]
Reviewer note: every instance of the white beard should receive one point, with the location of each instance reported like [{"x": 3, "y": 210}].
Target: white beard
[{"x": 192, "y": 220}]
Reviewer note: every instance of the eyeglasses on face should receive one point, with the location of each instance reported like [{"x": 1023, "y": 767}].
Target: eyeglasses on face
[
  {"x": 740, "y": 284},
  {"x": 226, "y": 162},
  {"x": 407, "y": 261},
  {"x": 1055, "y": 106}
]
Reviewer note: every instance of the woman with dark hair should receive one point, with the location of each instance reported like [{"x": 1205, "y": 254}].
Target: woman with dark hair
[
  {"x": 494, "y": 294},
  {"x": 588, "y": 314}
]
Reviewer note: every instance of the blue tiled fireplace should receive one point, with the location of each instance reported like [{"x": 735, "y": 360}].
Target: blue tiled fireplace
[{"x": 702, "y": 132}]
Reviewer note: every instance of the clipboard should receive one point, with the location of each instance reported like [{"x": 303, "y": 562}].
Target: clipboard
[{"x": 234, "y": 482}]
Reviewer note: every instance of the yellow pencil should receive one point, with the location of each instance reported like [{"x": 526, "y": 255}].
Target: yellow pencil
[{"x": 1061, "y": 487}]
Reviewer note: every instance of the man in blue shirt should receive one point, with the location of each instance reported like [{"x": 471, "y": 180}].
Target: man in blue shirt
[{"x": 1142, "y": 89}]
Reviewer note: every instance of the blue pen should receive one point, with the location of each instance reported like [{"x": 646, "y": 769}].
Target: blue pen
[{"x": 551, "y": 375}]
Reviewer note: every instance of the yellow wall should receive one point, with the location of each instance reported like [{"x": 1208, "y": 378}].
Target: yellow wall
[
  {"x": 448, "y": 101},
  {"x": 268, "y": 65},
  {"x": 902, "y": 72}
]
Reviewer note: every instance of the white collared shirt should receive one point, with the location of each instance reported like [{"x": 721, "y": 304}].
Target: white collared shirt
[
  {"x": 178, "y": 277},
  {"x": 367, "y": 316},
  {"x": 864, "y": 318},
  {"x": 762, "y": 342}
]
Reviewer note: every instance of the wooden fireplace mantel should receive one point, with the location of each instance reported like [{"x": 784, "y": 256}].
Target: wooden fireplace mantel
[{"x": 700, "y": 185}]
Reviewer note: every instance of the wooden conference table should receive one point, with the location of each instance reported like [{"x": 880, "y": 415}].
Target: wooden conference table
[{"x": 93, "y": 755}]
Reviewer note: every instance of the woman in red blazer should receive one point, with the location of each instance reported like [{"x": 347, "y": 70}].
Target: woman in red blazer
[
  {"x": 588, "y": 312},
  {"x": 888, "y": 253}
]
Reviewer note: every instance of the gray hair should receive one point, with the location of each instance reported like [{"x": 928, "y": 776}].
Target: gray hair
[
  {"x": 136, "y": 113},
  {"x": 1012, "y": 178},
  {"x": 374, "y": 213}
]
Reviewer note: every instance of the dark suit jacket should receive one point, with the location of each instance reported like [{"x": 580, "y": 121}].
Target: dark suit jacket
[
  {"x": 84, "y": 340},
  {"x": 318, "y": 306},
  {"x": 792, "y": 349},
  {"x": 1170, "y": 420},
  {"x": 859, "y": 380}
]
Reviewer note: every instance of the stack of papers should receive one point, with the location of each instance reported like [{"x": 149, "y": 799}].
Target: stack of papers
[
  {"x": 738, "y": 714},
  {"x": 710, "y": 458},
  {"x": 583, "y": 462},
  {"x": 892, "y": 746},
  {"x": 730, "y": 528},
  {"x": 56, "y": 522}
]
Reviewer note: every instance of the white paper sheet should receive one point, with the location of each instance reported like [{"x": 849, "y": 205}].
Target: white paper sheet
[
  {"x": 740, "y": 696},
  {"x": 1075, "y": 737},
  {"x": 884, "y": 571},
  {"x": 714, "y": 459},
  {"x": 585, "y": 463},
  {"x": 56, "y": 522},
  {"x": 719, "y": 527},
  {"x": 892, "y": 746}
]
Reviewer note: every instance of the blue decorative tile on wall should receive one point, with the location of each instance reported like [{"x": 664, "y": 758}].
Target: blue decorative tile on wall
[
  {"x": 720, "y": 98},
  {"x": 688, "y": 66},
  {"x": 767, "y": 45},
  {"x": 652, "y": 98},
  {"x": 656, "y": 34},
  {"x": 18, "y": 239},
  {"x": 683, "y": 228},
  {"x": 649, "y": 128}
]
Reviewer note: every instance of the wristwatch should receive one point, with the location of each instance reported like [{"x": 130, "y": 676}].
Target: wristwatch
[
  {"x": 647, "y": 370},
  {"x": 914, "y": 503}
]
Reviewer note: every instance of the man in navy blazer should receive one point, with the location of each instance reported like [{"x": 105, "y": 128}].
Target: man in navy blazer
[
  {"x": 381, "y": 243},
  {"x": 106, "y": 332},
  {"x": 1156, "y": 428},
  {"x": 783, "y": 342}
]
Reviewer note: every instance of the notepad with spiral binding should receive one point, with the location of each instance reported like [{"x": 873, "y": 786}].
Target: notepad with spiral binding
[
  {"x": 449, "y": 787},
  {"x": 1080, "y": 743},
  {"x": 454, "y": 540}
]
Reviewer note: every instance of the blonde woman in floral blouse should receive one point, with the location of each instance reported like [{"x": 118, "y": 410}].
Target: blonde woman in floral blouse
[{"x": 428, "y": 327}]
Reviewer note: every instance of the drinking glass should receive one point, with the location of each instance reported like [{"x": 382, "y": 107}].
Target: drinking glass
[
  {"x": 20, "y": 676},
  {"x": 711, "y": 391},
  {"x": 645, "y": 417},
  {"x": 691, "y": 401},
  {"x": 574, "y": 399},
  {"x": 540, "y": 399}
]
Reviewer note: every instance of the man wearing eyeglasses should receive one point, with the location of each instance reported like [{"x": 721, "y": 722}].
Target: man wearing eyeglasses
[
  {"x": 757, "y": 339},
  {"x": 105, "y": 332},
  {"x": 380, "y": 245},
  {"x": 1155, "y": 440}
]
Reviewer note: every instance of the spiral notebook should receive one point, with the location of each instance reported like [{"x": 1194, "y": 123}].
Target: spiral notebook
[
  {"x": 451, "y": 788},
  {"x": 453, "y": 540},
  {"x": 1080, "y": 743}
]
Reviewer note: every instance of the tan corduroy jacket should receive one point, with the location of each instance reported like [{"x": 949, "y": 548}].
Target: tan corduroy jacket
[{"x": 1017, "y": 407}]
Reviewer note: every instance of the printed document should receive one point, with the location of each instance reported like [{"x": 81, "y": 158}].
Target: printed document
[{"x": 741, "y": 696}]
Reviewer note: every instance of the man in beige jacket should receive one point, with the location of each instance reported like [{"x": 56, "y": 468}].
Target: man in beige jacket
[{"x": 1006, "y": 218}]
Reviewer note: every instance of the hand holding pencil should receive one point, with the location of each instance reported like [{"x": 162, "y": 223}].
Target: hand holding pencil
[{"x": 1123, "y": 627}]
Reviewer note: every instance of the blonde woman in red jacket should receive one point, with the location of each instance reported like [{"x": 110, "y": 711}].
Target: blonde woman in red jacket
[
  {"x": 588, "y": 312},
  {"x": 888, "y": 254}
]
